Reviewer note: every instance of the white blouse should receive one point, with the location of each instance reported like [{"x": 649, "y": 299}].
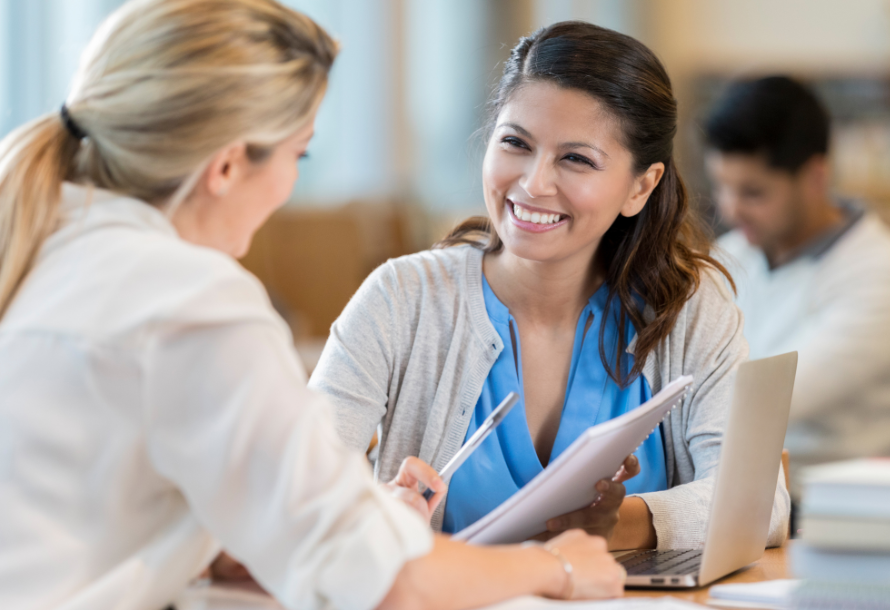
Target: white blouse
[{"x": 153, "y": 411}]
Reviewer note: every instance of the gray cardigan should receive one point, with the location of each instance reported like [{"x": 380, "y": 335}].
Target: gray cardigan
[{"x": 414, "y": 346}]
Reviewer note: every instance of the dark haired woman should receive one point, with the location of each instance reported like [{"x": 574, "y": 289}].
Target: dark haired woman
[{"x": 586, "y": 290}]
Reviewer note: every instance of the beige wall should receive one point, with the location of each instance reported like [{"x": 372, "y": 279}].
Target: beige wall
[{"x": 759, "y": 35}]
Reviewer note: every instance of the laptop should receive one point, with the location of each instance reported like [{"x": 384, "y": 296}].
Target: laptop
[{"x": 744, "y": 488}]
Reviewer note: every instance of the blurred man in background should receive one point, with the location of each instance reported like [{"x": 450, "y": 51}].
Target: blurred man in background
[{"x": 813, "y": 271}]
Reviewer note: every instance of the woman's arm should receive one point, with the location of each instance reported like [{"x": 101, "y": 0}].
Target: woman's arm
[
  {"x": 456, "y": 576},
  {"x": 635, "y": 529},
  {"x": 356, "y": 366},
  {"x": 708, "y": 344},
  {"x": 228, "y": 420}
]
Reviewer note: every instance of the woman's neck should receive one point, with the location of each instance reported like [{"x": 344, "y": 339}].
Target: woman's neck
[{"x": 546, "y": 293}]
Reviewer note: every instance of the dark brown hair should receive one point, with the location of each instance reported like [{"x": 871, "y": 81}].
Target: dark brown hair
[{"x": 657, "y": 257}]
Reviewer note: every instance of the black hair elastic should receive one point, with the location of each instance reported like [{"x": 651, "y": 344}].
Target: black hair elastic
[{"x": 70, "y": 125}]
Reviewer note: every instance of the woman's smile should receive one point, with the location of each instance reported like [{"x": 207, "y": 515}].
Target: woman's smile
[{"x": 533, "y": 219}]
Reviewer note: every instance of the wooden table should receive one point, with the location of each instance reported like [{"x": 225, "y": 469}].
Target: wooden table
[{"x": 772, "y": 566}]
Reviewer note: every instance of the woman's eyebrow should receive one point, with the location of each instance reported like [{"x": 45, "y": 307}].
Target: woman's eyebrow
[
  {"x": 527, "y": 134},
  {"x": 584, "y": 145},
  {"x": 518, "y": 128}
]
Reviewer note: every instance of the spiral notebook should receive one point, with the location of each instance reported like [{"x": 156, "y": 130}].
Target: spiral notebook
[{"x": 567, "y": 483}]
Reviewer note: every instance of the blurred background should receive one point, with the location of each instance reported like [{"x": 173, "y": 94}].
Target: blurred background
[{"x": 396, "y": 158}]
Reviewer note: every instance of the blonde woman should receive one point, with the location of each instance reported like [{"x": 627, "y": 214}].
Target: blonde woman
[{"x": 152, "y": 411}]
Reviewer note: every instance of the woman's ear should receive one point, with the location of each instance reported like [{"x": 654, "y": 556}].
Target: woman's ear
[
  {"x": 643, "y": 186},
  {"x": 225, "y": 168}
]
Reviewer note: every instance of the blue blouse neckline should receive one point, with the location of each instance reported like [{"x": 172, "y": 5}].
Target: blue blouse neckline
[{"x": 508, "y": 459}]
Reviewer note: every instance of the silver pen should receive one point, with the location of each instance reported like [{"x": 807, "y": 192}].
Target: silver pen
[{"x": 491, "y": 422}]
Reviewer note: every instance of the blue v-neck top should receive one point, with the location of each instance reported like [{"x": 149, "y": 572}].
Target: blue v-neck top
[{"x": 507, "y": 460}]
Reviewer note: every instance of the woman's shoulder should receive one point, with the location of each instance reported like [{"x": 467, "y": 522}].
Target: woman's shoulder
[
  {"x": 708, "y": 323},
  {"x": 436, "y": 273},
  {"x": 182, "y": 282},
  {"x": 113, "y": 272},
  {"x": 712, "y": 294},
  {"x": 710, "y": 310},
  {"x": 711, "y": 298},
  {"x": 709, "y": 327},
  {"x": 436, "y": 263}
]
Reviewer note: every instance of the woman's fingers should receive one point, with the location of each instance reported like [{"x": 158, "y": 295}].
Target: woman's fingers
[
  {"x": 414, "y": 470},
  {"x": 406, "y": 486},
  {"x": 595, "y": 573},
  {"x": 629, "y": 469},
  {"x": 227, "y": 568},
  {"x": 599, "y": 519},
  {"x": 413, "y": 499}
]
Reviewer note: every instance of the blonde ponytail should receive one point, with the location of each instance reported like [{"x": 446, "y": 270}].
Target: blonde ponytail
[
  {"x": 162, "y": 86},
  {"x": 34, "y": 161}
]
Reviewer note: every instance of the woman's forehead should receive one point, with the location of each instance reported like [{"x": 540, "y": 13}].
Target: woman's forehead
[{"x": 548, "y": 111}]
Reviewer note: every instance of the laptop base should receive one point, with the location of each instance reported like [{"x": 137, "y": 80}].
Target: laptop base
[{"x": 677, "y": 569}]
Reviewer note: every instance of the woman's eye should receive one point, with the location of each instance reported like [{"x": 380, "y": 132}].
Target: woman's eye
[
  {"x": 581, "y": 160},
  {"x": 514, "y": 141}
]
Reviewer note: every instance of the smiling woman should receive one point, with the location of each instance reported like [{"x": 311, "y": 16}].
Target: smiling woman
[{"x": 586, "y": 289}]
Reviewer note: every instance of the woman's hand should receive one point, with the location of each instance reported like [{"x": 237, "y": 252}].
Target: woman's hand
[
  {"x": 406, "y": 486},
  {"x": 595, "y": 573},
  {"x": 600, "y": 518},
  {"x": 226, "y": 568}
]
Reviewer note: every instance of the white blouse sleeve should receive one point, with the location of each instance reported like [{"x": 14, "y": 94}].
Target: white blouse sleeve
[{"x": 230, "y": 421}]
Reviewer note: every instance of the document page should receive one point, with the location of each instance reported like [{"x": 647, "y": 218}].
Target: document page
[
  {"x": 567, "y": 484},
  {"x": 628, "y": 603}
]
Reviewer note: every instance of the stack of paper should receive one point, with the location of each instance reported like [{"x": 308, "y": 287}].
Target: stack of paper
[
  {"x": 844, "y": 557},
  {"x": 768, "y": 595}
]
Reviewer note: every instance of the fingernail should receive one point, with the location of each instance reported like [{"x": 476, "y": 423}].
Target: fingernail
[{"x": 602, "y": 486}]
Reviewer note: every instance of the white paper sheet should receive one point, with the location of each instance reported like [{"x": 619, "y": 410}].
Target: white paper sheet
[
  {"x": 771, "y": 594},
  {"x": 630, "y": 603},
  {"x": 204, "y": 596},
  {"x": 209, "y": 597},
  {"x": 567, "y": 484}
]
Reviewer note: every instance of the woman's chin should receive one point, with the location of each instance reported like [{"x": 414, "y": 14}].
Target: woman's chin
[{"x": 538, "y": 253}]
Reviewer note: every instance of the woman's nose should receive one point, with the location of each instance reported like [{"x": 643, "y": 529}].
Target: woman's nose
[{"x": 539, "y": 180}]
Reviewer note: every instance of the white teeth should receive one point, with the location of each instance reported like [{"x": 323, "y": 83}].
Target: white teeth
[{"x": 535, "y": 217}]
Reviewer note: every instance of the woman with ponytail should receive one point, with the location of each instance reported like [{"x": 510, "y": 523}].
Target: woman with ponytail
[
  {"x": 586, "y": 289},
  {"x": 152, "y": 409}
]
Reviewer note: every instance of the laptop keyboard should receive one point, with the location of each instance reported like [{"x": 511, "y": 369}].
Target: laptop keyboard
[{"x": 644, "y": 563}]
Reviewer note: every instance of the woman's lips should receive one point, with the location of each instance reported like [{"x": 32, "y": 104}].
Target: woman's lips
[{"x": 533, "y": 227}]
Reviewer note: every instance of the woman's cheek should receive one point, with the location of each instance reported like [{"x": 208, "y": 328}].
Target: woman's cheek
[
  {"x": 504, "y": 170},
  {"x": 289, "y": 175},
  {"x": 593, "y": 194},
  {"x": 492, "y": 186}
]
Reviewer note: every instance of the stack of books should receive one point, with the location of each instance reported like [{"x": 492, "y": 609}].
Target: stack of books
[{"x": 843, "y": 556}]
